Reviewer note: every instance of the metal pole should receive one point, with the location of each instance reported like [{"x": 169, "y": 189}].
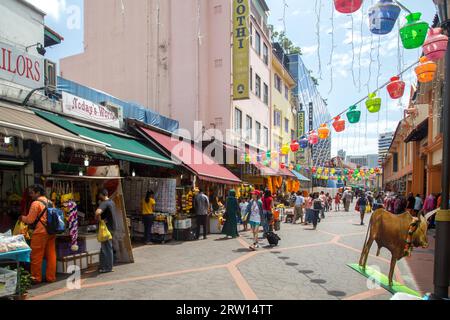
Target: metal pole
[{"x": 442, "y": 250}]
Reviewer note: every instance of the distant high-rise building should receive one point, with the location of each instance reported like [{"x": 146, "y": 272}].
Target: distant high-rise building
[
  {"x": 384, "y": 142},
  {"x": 370, "y": 160},
  {"x": 342, "y": 154}
]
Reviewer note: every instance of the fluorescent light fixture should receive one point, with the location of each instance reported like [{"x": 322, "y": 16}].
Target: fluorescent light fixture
[
  {"x": 86, "y": 161},
  {"x": 7, "y": 140},
  {"x": 12, "y": 163},
  {"x": 133, "y": 173},
  {"x": 80, "y": 173}
]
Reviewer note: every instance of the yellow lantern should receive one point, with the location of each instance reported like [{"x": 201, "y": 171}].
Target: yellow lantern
[{"x": 285, "y": 150}]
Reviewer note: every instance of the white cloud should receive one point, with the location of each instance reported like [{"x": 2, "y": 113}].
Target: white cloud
[
  {"x": 309, "y": 50},
  {"x": 53, "y": 8}
]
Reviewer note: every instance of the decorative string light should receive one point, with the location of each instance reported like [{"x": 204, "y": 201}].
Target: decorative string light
[
  {"x": 318, "y": 10},
  {"x": 332, "y": 48},
  {"x": 353, "y": 52}
]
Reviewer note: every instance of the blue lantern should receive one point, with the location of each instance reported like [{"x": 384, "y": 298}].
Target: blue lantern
[
  {"x": 304, "y": 143},
  {"x": 383, "y": 16}
]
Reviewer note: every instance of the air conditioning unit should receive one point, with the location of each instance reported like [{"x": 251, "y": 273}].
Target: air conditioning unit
[{"x": 50, "y": 75}]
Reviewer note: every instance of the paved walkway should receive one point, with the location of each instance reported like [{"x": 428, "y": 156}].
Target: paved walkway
[{"x": 306, "y": 265}]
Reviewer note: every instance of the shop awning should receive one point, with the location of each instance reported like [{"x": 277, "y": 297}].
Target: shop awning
[
  {"x": 419, "y": 133},
  {"x": 202, "y": 165},
  {"x": 117, "y": 147},
  {"x": 266, "y": 171},
  {"x": 286, "y": 173},
  {"x": 300, "y": 177},
  {"x": 20, "y": 122}
]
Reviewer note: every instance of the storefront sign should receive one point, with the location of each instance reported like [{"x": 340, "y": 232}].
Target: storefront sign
[
  {"x": 241, "y": 53},
  {"x": 87, "y": 110},
  {"x": 19, "y": 67}
]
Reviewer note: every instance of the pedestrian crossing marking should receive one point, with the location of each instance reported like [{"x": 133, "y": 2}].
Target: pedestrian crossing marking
[{"x": 383, "y": 280}]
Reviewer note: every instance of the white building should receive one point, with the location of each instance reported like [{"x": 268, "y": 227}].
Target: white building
[{"x": 384, "y": 142}]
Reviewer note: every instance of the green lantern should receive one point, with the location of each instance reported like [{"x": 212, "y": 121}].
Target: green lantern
[
  {"x": 373, "y": 104},
  {"x": 268, "y": 154},
  {"x": 299, "y": 167},
  {"x": 414, "y": 32},
  {"x": 354, "y": 115},
  {"x": 345, "y": 171},
  {"x": 247, "y": 158},
  {"x": 266, "y": 163}
]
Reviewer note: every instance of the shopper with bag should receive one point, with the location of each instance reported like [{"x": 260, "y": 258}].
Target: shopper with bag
[
  {"x": 254, "y": 213},
  {"x": 148, "y": 209},
  {"x": 42, "y": 243},
  {"x": 106, "y": 215},
  {"x": 268, "y": 206}
]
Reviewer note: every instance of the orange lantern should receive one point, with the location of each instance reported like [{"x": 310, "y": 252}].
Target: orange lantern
[
  {"x": 339, "y": 124},
  {"x": 426, "y": 70},
  {"x": 324, "y": 132}
]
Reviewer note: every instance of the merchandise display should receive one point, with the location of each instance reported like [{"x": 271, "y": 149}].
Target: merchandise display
[{"x": 12, "y": 243}]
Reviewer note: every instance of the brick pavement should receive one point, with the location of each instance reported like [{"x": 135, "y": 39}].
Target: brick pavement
[{"x": 307, "y": 265}]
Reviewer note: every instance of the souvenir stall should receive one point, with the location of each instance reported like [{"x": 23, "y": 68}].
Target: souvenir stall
[{"x": 77, "y": 197}]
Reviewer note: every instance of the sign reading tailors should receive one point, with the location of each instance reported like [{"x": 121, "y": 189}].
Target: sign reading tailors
[
  {"x": 19, "y": 67},
  {"x": 241, "y": 53},
  {"x": 80, "y": 108}
]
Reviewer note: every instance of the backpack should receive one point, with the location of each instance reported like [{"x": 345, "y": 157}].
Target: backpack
[
  {"x": 55, "y": 220},
  {"x": 363, "y": 201},
  {"x": 318, "y": 204},
  {"x": 273, "y": 238}
]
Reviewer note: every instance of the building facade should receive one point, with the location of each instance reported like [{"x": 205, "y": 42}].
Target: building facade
[
  {"x": 384, "y": 142},
  {"x": 370, "y": 160}
]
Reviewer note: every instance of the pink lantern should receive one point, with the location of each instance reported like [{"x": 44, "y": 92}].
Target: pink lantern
[
  {"x": 313, "y": 138},
  {"x": 348, "y": 6},
  {"x": 435, "y": 46},
  {"x": 396, "y": 88}
]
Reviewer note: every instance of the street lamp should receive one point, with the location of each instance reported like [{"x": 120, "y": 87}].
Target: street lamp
[{"x": 442, "y": 250}]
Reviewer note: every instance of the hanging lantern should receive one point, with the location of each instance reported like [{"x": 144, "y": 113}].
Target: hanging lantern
[
  {"x": 324, "y": 132},
  {"x": 285, "y": 150},
  {"x": 247, "y": 158},
  {"x": 373, "y": 104},
  {"x": 313, "y": 138},
  {"x": 268, "y": 154},
  {"x": 291, "y": 167},
  {"x": 436, "y": 44},
  {"x": 274, "y": 154},
  {"x": 426, "y": 70},
  {"x": 396, "y": 88},
  {"x": 298, "y": 167},
  {"x": 295, "y": 146},
  {"x": 339, "y": 124},
  {"x": 353, "y": 115},
  {"x": 282, "y": 165},
  {"x": 313, "y": 169},
  {"x": 347, "y": 6},
  {"x": 266, "y": 163},
  {"x": 304, "y": 143},
  {"x": 414, "y": 32},
  {"x": 333, "y": 171},
  {"x": 383, "y": 16}
]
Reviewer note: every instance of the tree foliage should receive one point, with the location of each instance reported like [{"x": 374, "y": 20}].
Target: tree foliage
[{"x": 284, "y": 41}]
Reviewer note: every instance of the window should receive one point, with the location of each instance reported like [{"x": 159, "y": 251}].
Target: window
[
  {"x": 258, "y": 43},
  {"x": 258, "y": 86},
  {"x": 277, "y": 118},
  {"x": 249, "y": 122},
  {"x": 238, "y": 120},
  {"x": 286, "y": 92},
  {"x": 266, "y": 54},
  {"x": 277, "y": 82},
  {"x": 266, "y": 94},
  {"x": 258, "y": 133},
  {"x": 266, "y": 137},
  {"x": 286, "y": 125},
  {"x": 395, "y": 162},
  {"x": 251, "y": 79},
  {"x": 251, "y": 33},
  {"x": 293, "y": 137}
]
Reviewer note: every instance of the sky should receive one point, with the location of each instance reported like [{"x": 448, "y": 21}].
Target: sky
[{"x": 357, "y": 63}]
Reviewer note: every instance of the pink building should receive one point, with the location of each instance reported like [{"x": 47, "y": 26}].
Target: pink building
[{"x": 176, "y": 58}]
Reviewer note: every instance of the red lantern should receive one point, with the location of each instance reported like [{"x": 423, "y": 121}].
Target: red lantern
[
  {"x": 396, "y": 88},
  {"x": 282, "y": 165},
  {"x": 313, "y": 169},
  {"x": 295, "y": 146},
  {"x": 348, "y": 6},
  {"x": 339, "y": 124}
]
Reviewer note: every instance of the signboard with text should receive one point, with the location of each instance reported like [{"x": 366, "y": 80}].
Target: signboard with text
[
  {"x": 241, "y": 52},
  {"x": 17, "y": 66},
  {"x": 87, "y": 110}
]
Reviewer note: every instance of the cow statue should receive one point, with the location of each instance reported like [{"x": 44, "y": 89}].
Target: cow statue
[{"x": 397, "y": 233}]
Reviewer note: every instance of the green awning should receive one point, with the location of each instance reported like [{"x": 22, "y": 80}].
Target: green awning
[{"x": 118, "y": 147}]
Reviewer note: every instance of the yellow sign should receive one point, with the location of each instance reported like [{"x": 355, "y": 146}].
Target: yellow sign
[
  {"x": 301, "y": 123},
  {"x": 241, "y": 53}
]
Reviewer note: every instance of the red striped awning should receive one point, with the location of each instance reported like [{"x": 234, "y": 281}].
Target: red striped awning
[{"x": 205, "y": 168}]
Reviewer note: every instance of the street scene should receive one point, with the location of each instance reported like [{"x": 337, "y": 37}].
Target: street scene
[{"x": 242, "y": 150}]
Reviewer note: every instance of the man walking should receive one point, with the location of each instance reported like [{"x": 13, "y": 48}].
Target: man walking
[
  {"x": 298, "y": 210},
  {"x": 107, "y": 212},
  {"x": 201, "y": 207}
]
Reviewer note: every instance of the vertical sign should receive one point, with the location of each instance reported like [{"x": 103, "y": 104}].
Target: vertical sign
[
  {"x": 241, "y": 53},
  {"x": 301, "y": 123}
]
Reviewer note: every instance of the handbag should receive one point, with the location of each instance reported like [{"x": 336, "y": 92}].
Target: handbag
[
  {"x": 103, "y": 232},
  {"x": 357, "y": 207}
]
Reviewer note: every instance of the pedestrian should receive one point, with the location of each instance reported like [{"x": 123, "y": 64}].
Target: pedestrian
[
  {"x": 411, "y": 203},
  {"x": 370, "y": 201},
  {"x": 243, "y": 207},
  {"x": 107, "y": 212},
  {"x": 362, "y": 204},
  {"x": 148, "y": 209},
  {"x": 268, "y": 206},
  {"x": 329, "y": 203},
  {"x": 348, "y": 198},
  {"x": 337, "y": 202},
  {"x": 254, "y": 213},
  {"x": 378, "y": 203},
  {"x": 323, "y": 198},
  {"x": 308, "y": 209},
  {"x": 298, "y": 210},
  {"x": 317, "y": 208},
  {"x": 201, "y": 208},
  {"x": 230, "y": 228},
  {"x": 418, "y": 204},
  {"x": 428, "y": 206},
  {"x": 42, "y": 244}
]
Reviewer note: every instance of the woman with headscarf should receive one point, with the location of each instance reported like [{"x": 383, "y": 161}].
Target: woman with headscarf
[{"x": 230, "y": 228}]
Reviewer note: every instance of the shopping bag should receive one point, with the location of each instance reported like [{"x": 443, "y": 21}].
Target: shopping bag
[
  {"x": 21, "y": 229},
  {"x": 103, "y": 232},
  {"x": 368, "y": 209},
  {"x": 357, "y": 208}
]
